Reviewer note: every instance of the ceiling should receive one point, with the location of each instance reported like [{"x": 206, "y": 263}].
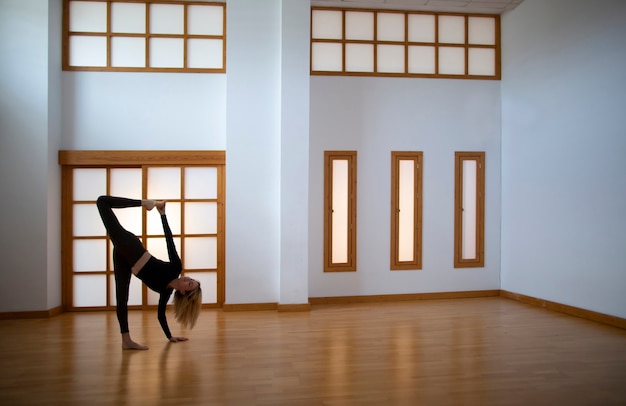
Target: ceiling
[{"x": 449, "y": 6}]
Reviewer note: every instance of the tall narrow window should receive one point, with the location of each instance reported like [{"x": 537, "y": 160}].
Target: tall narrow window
[
  {"x": 406, "y": 210},
  {"x": 469, "y": 215},
  {"x": 339, "y": 211}
]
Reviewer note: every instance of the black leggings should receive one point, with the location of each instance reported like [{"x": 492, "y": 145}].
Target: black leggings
[{"x": 127, "y": 249}]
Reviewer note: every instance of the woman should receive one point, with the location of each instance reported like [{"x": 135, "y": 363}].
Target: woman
[{"x": 131, "y": 257}]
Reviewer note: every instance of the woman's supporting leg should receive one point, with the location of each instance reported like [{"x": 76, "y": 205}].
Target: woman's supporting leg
[
  {"x": 127, "y": 249},
  {"x": 123, "y": 274}
]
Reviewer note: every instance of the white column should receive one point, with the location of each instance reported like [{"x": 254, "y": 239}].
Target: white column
[
  {"x": 294, "y": 237},
  {"x": 253, "y": 173}
]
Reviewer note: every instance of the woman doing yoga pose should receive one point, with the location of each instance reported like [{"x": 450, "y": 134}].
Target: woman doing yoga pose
[{"x": 131, "y": 257}]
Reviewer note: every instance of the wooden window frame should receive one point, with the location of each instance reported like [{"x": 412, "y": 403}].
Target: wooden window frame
[
  {"x": 406, "y": 44},
  {"x": 147, "y": 35},
  {"x": 479, "y": 259},
  {"x": 329, "y": 157},
  {"x": 417, "y": 158},
  {"x": 70, "y": 160}
]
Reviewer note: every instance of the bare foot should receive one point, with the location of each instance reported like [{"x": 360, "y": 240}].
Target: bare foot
[
  {"x": 160, "y": 205},
  {"x": 148, "y": 204},
  {"x": 129, "y": 344},
  {"x": 133, "y": 346}
]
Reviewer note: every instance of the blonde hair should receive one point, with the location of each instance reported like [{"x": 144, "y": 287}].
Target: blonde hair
[{"x": 187, "y": 307}]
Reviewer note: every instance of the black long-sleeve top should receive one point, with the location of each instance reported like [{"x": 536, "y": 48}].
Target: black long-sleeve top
[{"x": 157, "y": 274}]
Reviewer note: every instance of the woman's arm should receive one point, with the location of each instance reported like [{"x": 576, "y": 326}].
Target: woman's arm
[
  {"x": 161, "y": 314},
  {"x": 163, "y": 299}
]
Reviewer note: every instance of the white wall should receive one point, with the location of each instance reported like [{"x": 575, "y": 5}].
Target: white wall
[
  {"x": 25, "y": 169},
  {"x": 253, "y": 152},
  {"x": 294, "y": 158},
  {"x": 563, "y": 153},
  {"x": 54, "y": 291},
  {"x": 143, "y": 111},
  {"x": 375, "y": 116},
  {"x": 562, "y": 96}
]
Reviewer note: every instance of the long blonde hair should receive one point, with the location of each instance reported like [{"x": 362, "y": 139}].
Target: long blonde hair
[{"x": 187, "y": 307}]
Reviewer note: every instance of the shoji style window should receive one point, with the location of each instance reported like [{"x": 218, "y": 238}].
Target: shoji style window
[
  {"x": 192, "y": 182},
  {"x": 134, "y": 35},
  {"x": 469, "y": 214},
  {"x": 403, "y": 43},
  {"x": 406, "y": 210},
  {"x": 339, "y": 211}
]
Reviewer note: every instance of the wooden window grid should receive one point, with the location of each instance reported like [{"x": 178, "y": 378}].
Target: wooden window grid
[
  {"x": 143, "y": 160},
  {"x": 109, "y": 36},
  {"x": 440, "y": 46}
]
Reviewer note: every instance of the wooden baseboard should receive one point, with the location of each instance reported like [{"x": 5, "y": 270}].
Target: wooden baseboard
[
  {"x": 41, "y": 314},
  {"x": 302, "y": 307},
  {"x": 558, "y": 307},
  {"x": 570, "y": 310},
  {"x": 402, "y": 297},
  {"x": 247, "y": 307}
]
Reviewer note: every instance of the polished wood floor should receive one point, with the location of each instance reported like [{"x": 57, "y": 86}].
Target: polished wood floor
[{"x": 486, "y": 351}]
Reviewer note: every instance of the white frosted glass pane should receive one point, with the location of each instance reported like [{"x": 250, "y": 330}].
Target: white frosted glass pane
[
  {"x": 134, "y": 292},
  {"x": 88, "y": 184},
  {"x": 90, "y": 290},
  {"x": 482, "y": 61},
  {"x": 359, "y": 58},
  {"x": 128, "y": 18},
  {"x": 451, "y": 61},
  {"x": 201, "y": 218},
  {"x": 326, "y": 24},
  {"x": 208, "y": 284},
  {"x": 158, "y": 247},
  {"x": 130, "y": 218},
  {"x": 204, "y": 53},
  {"x": 339, "y": 207},
  {"x": 126, "y": 182},
  {"x": 469, "y": 210},
  {"x": 163, "y": 183},
  {"x": 172, "y": 210},
  {"x": 200, "y": 253},
  {"x": 327, "y": 57},
  {"x": 390, "y": 58},
  {"x": 421, "y": 59},
  {"x": 167, "y": 19},
  {"x": 452, "y": 29},
  {"x": 87, "y": 16},
  {"x": 421, "y": 28},
  {"x": 88, "y": 51},
  {"x": 111, "y": 256},
  {"x": 205, "y": 20},
  {"x": 87, "y": 221},
  {"x": 482, "y": 30},
  {"x": 359, "y": 25},
  {"x": 390, "y": 27},
  {"x": 406, "y": 200},
  {"x": 128, "y": 52},
  {"x": 90, "y": 255},
  {"x": 201, "y": 183},
  {"x": 166, "y": 52},
  {"x": 153, "y": 298}
]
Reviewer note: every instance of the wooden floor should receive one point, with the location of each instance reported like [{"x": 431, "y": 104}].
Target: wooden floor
[{"x": 486, "y": 351}]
